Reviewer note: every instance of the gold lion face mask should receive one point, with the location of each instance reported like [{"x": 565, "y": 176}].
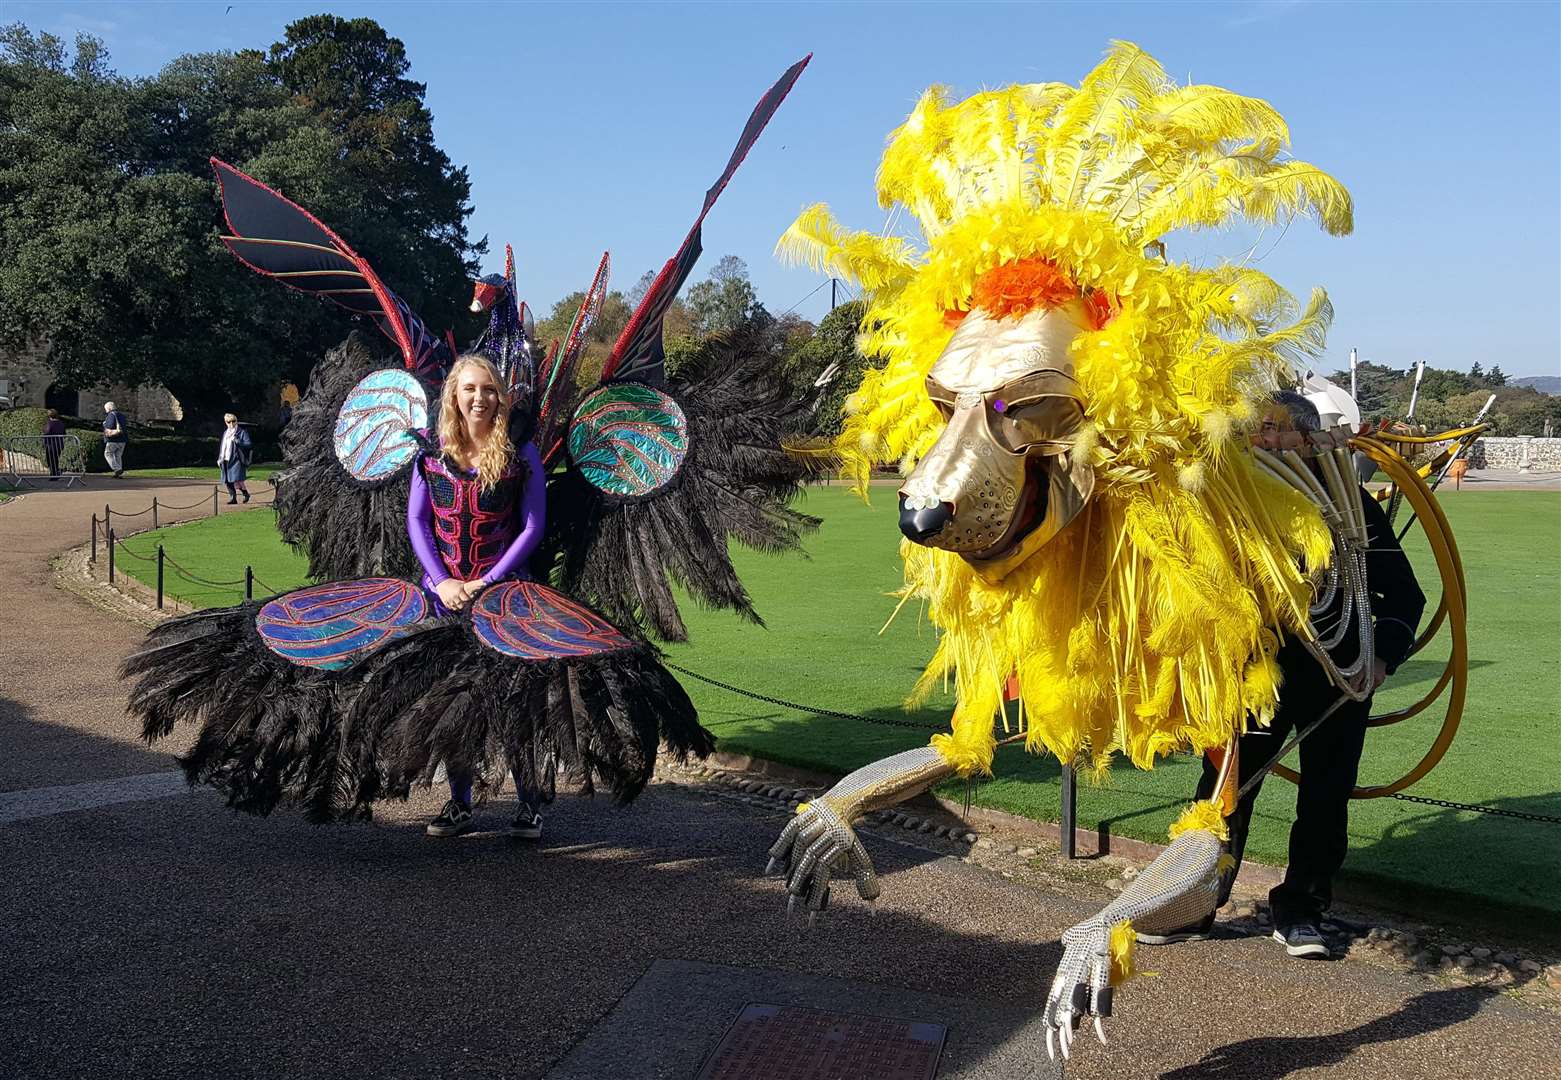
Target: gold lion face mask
[{"x": 1001, "y": 480}]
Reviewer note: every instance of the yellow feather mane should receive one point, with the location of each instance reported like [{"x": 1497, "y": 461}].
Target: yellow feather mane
[{"x": 1150, "y": 623}]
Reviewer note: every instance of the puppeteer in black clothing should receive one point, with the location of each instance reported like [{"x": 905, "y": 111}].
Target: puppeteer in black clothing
[{"x": 1330, "y": 755}]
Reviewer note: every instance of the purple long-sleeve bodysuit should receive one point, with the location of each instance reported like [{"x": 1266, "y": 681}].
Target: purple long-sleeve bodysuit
[{"x": 460, "y": 531}]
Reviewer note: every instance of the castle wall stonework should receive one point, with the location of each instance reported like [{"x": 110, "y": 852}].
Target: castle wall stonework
[
  {"x": 1527, "y": 452},
  {"x": 27, "y": 377}
]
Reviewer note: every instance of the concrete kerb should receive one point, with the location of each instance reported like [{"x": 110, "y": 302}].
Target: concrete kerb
[
  {"x": 127, "y": 597},
  {"x": 1025, "y": 833}
]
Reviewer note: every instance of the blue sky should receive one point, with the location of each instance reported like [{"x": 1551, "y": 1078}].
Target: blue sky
[{"x": 598, "y": 126}]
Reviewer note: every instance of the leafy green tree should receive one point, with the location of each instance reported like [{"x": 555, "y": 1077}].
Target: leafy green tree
[
  {"x": 828, "y": 364},
  {"x": 1522, "y": 410},
  {"x": 352, "y": 77},
  {"x": 109, "y": 218},
  {"x": 724, "y": 301}
]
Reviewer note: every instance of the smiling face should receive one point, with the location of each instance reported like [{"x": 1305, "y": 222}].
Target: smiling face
[
  {"x": 1000, "y": 480},
  {"x": 477, "y": 395}
]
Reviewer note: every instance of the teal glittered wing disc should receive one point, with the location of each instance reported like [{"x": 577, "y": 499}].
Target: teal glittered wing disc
[
  {"x": 374, "y": 429},
  {"x": 628, "y": 439}
]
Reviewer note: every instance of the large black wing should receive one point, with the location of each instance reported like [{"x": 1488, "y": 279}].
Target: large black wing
[
  {"x": 621, "y": 531},
  {"x": 662, "y": 477},
  {"x": 276, "y": 237},
  {"x": 638, "y": 353}
]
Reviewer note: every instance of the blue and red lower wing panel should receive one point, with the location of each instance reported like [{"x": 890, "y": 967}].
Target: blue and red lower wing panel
[
  {"x": 335, "y": 625},
  {"x": 531, "y": 621}
]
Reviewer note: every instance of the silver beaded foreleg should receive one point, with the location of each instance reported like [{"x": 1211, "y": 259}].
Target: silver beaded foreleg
[
  {"x": 1178, "y": 889},
  {"x": 820, "y": 841}
]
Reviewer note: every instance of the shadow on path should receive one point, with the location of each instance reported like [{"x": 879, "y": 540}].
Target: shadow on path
[{"x": 1273, "y": 1057}]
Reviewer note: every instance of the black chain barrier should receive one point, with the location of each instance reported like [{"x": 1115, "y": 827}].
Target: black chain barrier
[
  {"x": 188, "y": 575},
  {"x": 838, "y": 715},
  {"x": 184, "y": 572},
  {"x": 1495, "y": 810},
  {"x": 817, "y": 711}
]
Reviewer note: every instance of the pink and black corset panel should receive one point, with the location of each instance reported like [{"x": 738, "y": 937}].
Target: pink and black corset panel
[{"x": 472, "y": 527}]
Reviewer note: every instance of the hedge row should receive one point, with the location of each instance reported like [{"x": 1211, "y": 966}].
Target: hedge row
[{"x": 150, "y": 448}]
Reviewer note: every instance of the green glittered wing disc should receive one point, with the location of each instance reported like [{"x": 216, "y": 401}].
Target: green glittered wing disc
[{"x": 628, "y": 439}]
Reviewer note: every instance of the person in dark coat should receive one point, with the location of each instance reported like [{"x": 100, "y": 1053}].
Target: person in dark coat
[
  {"x": 1330, "y": 755},
  {"x": 116, "y": 436},
  {"x": 233, "y": 458},
  {"x": 53, "y": 442}
]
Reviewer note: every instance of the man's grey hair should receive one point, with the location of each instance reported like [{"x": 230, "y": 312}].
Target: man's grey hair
[
  {"x": 1303, "y": 414},
  {"x": 108, "y": 406}
]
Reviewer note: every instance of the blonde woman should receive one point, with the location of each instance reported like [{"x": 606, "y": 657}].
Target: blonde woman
[
  {"x": 233, "y": 458},
  {"x": 475, "y": 516}
]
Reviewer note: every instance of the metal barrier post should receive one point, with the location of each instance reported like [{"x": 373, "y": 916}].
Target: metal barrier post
[
  {"x": 249, "y": 583},
  {"x": 159, "y": 577},
  {"x": 154, "y": 518},
  {"x": 111, "y": 556},
  {"x": 108, "y": 518},
  {"x": 1070, "y": 810},
  {"x": 94, "y": 556},
  {"x": 214, "y": 500}
]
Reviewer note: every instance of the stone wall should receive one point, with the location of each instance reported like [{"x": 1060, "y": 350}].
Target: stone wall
[
  {"x": 145, "y": 405},
  {"x": 28, "y": 377},
  {"x": 1527, "y": 452}
]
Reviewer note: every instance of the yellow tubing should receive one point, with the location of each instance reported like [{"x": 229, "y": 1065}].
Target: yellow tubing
[
  {"x": 1453, "y": 608},
  {"x": 1446, "y": 436}
]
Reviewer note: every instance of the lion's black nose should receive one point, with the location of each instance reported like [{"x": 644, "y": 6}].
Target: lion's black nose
[{"x": 920, "y": 524}]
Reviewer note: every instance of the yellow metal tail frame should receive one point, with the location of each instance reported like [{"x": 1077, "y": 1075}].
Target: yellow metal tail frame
[{"x": 1453, "y": 610}]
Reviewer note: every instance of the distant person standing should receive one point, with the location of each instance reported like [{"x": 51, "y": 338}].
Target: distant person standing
[
  {"x": 53, "y": 442},
  {"x": 233, "y": 458},
  {"x": 116, "y": 433}
]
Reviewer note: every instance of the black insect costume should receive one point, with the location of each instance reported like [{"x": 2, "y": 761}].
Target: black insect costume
[{"x": 342, "y": 693}]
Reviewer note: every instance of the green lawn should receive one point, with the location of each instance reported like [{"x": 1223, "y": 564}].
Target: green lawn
[
  {"x": 260, "y": 472},
  {"x": 822, "y": 648},
  {"x": 216, "y": 549}
]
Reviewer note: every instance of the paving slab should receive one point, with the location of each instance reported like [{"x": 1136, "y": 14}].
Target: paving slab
[{"x": 667, "y": 1025}]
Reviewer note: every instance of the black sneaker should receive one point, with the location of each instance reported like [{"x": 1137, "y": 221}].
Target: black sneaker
[
  {"x": 453, "y": 820},
  {"x": 527, "y": 824},
  {"x": 1302, "y": 939},
  {"x": 1200, "y": 931}
]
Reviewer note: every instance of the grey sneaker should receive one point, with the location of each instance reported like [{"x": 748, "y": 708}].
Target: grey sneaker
[
  {"x": 1303, "y": 940},
  {"x": 527, "y": 824},
  {"x": 1200, "y": 931},
  {"x": 453, "y": 820}
]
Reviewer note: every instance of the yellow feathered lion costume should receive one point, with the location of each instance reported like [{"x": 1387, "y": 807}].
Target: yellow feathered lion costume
[{"x": 1149, "y": 623}]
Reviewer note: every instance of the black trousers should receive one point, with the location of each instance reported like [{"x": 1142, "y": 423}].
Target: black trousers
[{"x": 1330, "y": 762}]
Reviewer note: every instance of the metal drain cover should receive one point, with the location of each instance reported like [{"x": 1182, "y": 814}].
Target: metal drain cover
[{"x": 789, "y": 1042}]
